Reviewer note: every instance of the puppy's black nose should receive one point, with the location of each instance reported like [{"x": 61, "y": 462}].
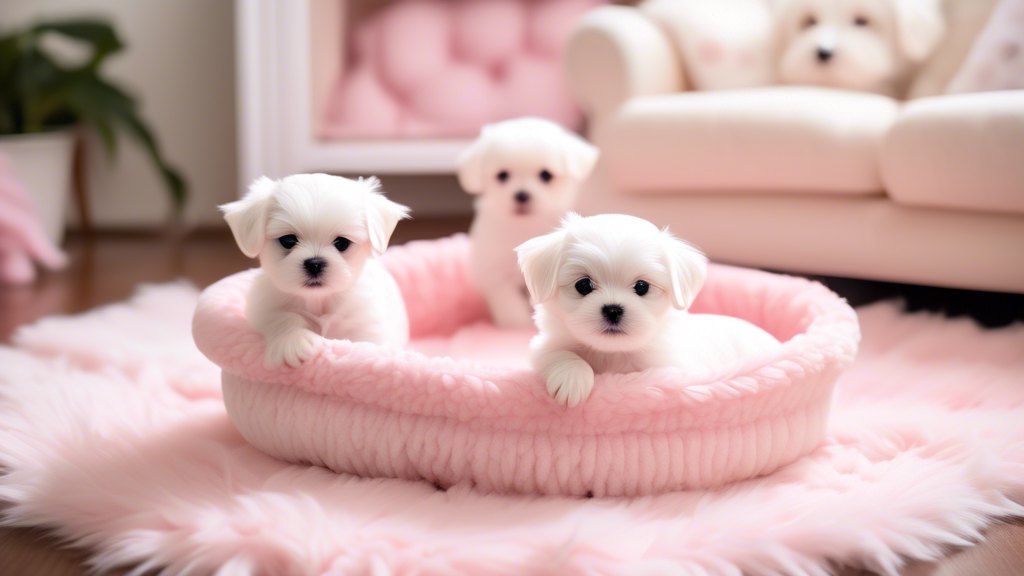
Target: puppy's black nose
[
  {"x": 314, "y": 266},
  {"x": 522, "y": 197},
  {"x": 825, "y": 54},
  {"x": 612, "y": 312}
]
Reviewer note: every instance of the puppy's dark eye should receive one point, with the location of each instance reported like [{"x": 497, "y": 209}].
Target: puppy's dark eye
[
  {"x": 809, "y": 22},
  {"x": 342, "y": 244},
  {"x": 503, "y": 176},
  {"x": 584, "y": 286},
  {"x": 862, "y": 21},
  {"x": 546, "y": 176},
  {"x": 288, "y": 242},
  {"x": 641, "y": 287}
]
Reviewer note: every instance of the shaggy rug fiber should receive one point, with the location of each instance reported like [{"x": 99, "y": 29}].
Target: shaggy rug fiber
[{"x": 112, "y": 433}]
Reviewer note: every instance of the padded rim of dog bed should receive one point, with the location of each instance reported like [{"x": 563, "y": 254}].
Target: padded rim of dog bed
[{"x": 397, "y": 413}]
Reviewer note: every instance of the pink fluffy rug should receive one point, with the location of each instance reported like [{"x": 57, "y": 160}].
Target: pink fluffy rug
[{"x": 112, "y": 432}]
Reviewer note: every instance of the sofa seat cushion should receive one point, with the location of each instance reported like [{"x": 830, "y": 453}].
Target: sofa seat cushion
[
  {"x": 868, "y": 237},
  {"x": 780, "y": 139},
  {"x": 964, "y": 152}
]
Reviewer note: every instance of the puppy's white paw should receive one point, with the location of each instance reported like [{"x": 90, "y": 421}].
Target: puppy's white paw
[
  {"x": 292, "y": 348},
  {"x": 570, "y": 382}
]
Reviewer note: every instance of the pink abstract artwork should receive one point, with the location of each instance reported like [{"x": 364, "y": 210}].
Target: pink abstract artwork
[{"x": 429, "y": 68}]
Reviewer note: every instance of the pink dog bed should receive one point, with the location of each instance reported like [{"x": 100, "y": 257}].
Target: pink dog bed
[{"x": 371, "y": 411}]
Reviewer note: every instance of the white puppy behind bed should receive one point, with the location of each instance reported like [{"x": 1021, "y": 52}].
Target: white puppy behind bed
[
  {"x": 868, "y": 45},
  {"x": 612, "y": 294},
  {"x": 315, "y": 236},
  {"x": 526, "y": 173}
]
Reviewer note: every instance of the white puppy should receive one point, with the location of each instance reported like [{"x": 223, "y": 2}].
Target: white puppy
[
  {"x": 315, "y": 236},
  {"x": 869, "y": 45},
  {"x": 612, "y": 295},
  {"x": 526, "y": 173}
]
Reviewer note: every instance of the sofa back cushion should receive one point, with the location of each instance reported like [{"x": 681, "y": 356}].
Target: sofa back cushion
[{"x": 766, "y": 140}]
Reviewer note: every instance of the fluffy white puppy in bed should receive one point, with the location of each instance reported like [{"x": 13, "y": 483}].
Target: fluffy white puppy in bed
[
  {"x": 316, "y": 236},
  {"x": 869, "y": 45},
  {"x": 525, "y": 173},
  {"x": 613, "y": 293}
]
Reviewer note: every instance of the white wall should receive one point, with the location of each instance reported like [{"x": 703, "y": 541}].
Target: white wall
[{"x": 179, "y": 61}]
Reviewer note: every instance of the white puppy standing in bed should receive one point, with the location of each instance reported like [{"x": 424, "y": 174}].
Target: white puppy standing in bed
[
  {"x": 526, "y": 173},
  {"x": 316, "y": 236},
  {"x": 613, "y": 293},
  {"x": 869, "y": 45}
]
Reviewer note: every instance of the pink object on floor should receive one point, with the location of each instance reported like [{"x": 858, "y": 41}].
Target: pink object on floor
[
  {"x": 109, "y": 435},
  {"x": 479, "y": 414},
  {"x": 23, "y": 244}
]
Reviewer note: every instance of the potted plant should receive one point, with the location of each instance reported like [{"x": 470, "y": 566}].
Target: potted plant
[{"x": 43, "y": 103}]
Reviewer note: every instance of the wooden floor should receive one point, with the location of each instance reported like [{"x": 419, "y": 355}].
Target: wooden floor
[{"x": 107, "y": 268}]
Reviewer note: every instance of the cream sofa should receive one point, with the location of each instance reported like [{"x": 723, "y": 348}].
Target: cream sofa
[{"x": 802, "y": 179}]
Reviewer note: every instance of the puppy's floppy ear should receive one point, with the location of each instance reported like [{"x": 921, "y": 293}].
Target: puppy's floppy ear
[
  {"x": 471, "y": 165},
  {"x": 920, "y": 25},
  {"x": 382, "y": 215},
  {"x": 247, "y": 217},
  {"x": 687, "y": 270},
  {"x": 539, "y": 258},
  {"x": 578, "y": 156}
]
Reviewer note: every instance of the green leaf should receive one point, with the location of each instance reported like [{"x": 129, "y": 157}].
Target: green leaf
[
  {"x": 8, "y": 56},
  {"x": 111, "y": 104},
  {"x": 100, "y": 105},
  {"x": 8, "y": 98},
  {"x": 37, "y": 94},
  {"x": 173, "y": 179},
  {"x": 98, "y": 34},
  {"x": 38, "y": 84}
]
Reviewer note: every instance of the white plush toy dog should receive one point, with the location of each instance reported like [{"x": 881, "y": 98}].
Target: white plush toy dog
[
  {"x": 526, "y": 173},
  {"x": 315, "y": 236},
  {"x": 612, "y": 293},
  {"x": 869, "y": 45}
]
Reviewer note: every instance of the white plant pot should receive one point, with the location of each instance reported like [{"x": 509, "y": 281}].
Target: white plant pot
[{"x": 42, "y": 165}]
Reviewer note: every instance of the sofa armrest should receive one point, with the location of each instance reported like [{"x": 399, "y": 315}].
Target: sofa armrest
[{"x": 616, "y": 53}]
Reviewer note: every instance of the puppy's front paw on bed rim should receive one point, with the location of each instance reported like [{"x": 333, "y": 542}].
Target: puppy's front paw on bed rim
[
  {"x": 292, "y": 348},
  {"x": 570, "y": 382}
]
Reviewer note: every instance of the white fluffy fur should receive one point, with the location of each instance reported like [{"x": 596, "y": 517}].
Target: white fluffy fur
[
  {"x": 353, "y": 298},
  {"x": 615, "y": 252},
  {"x": 874, "y": 44},
  {"x": 521, "y": 150}
]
